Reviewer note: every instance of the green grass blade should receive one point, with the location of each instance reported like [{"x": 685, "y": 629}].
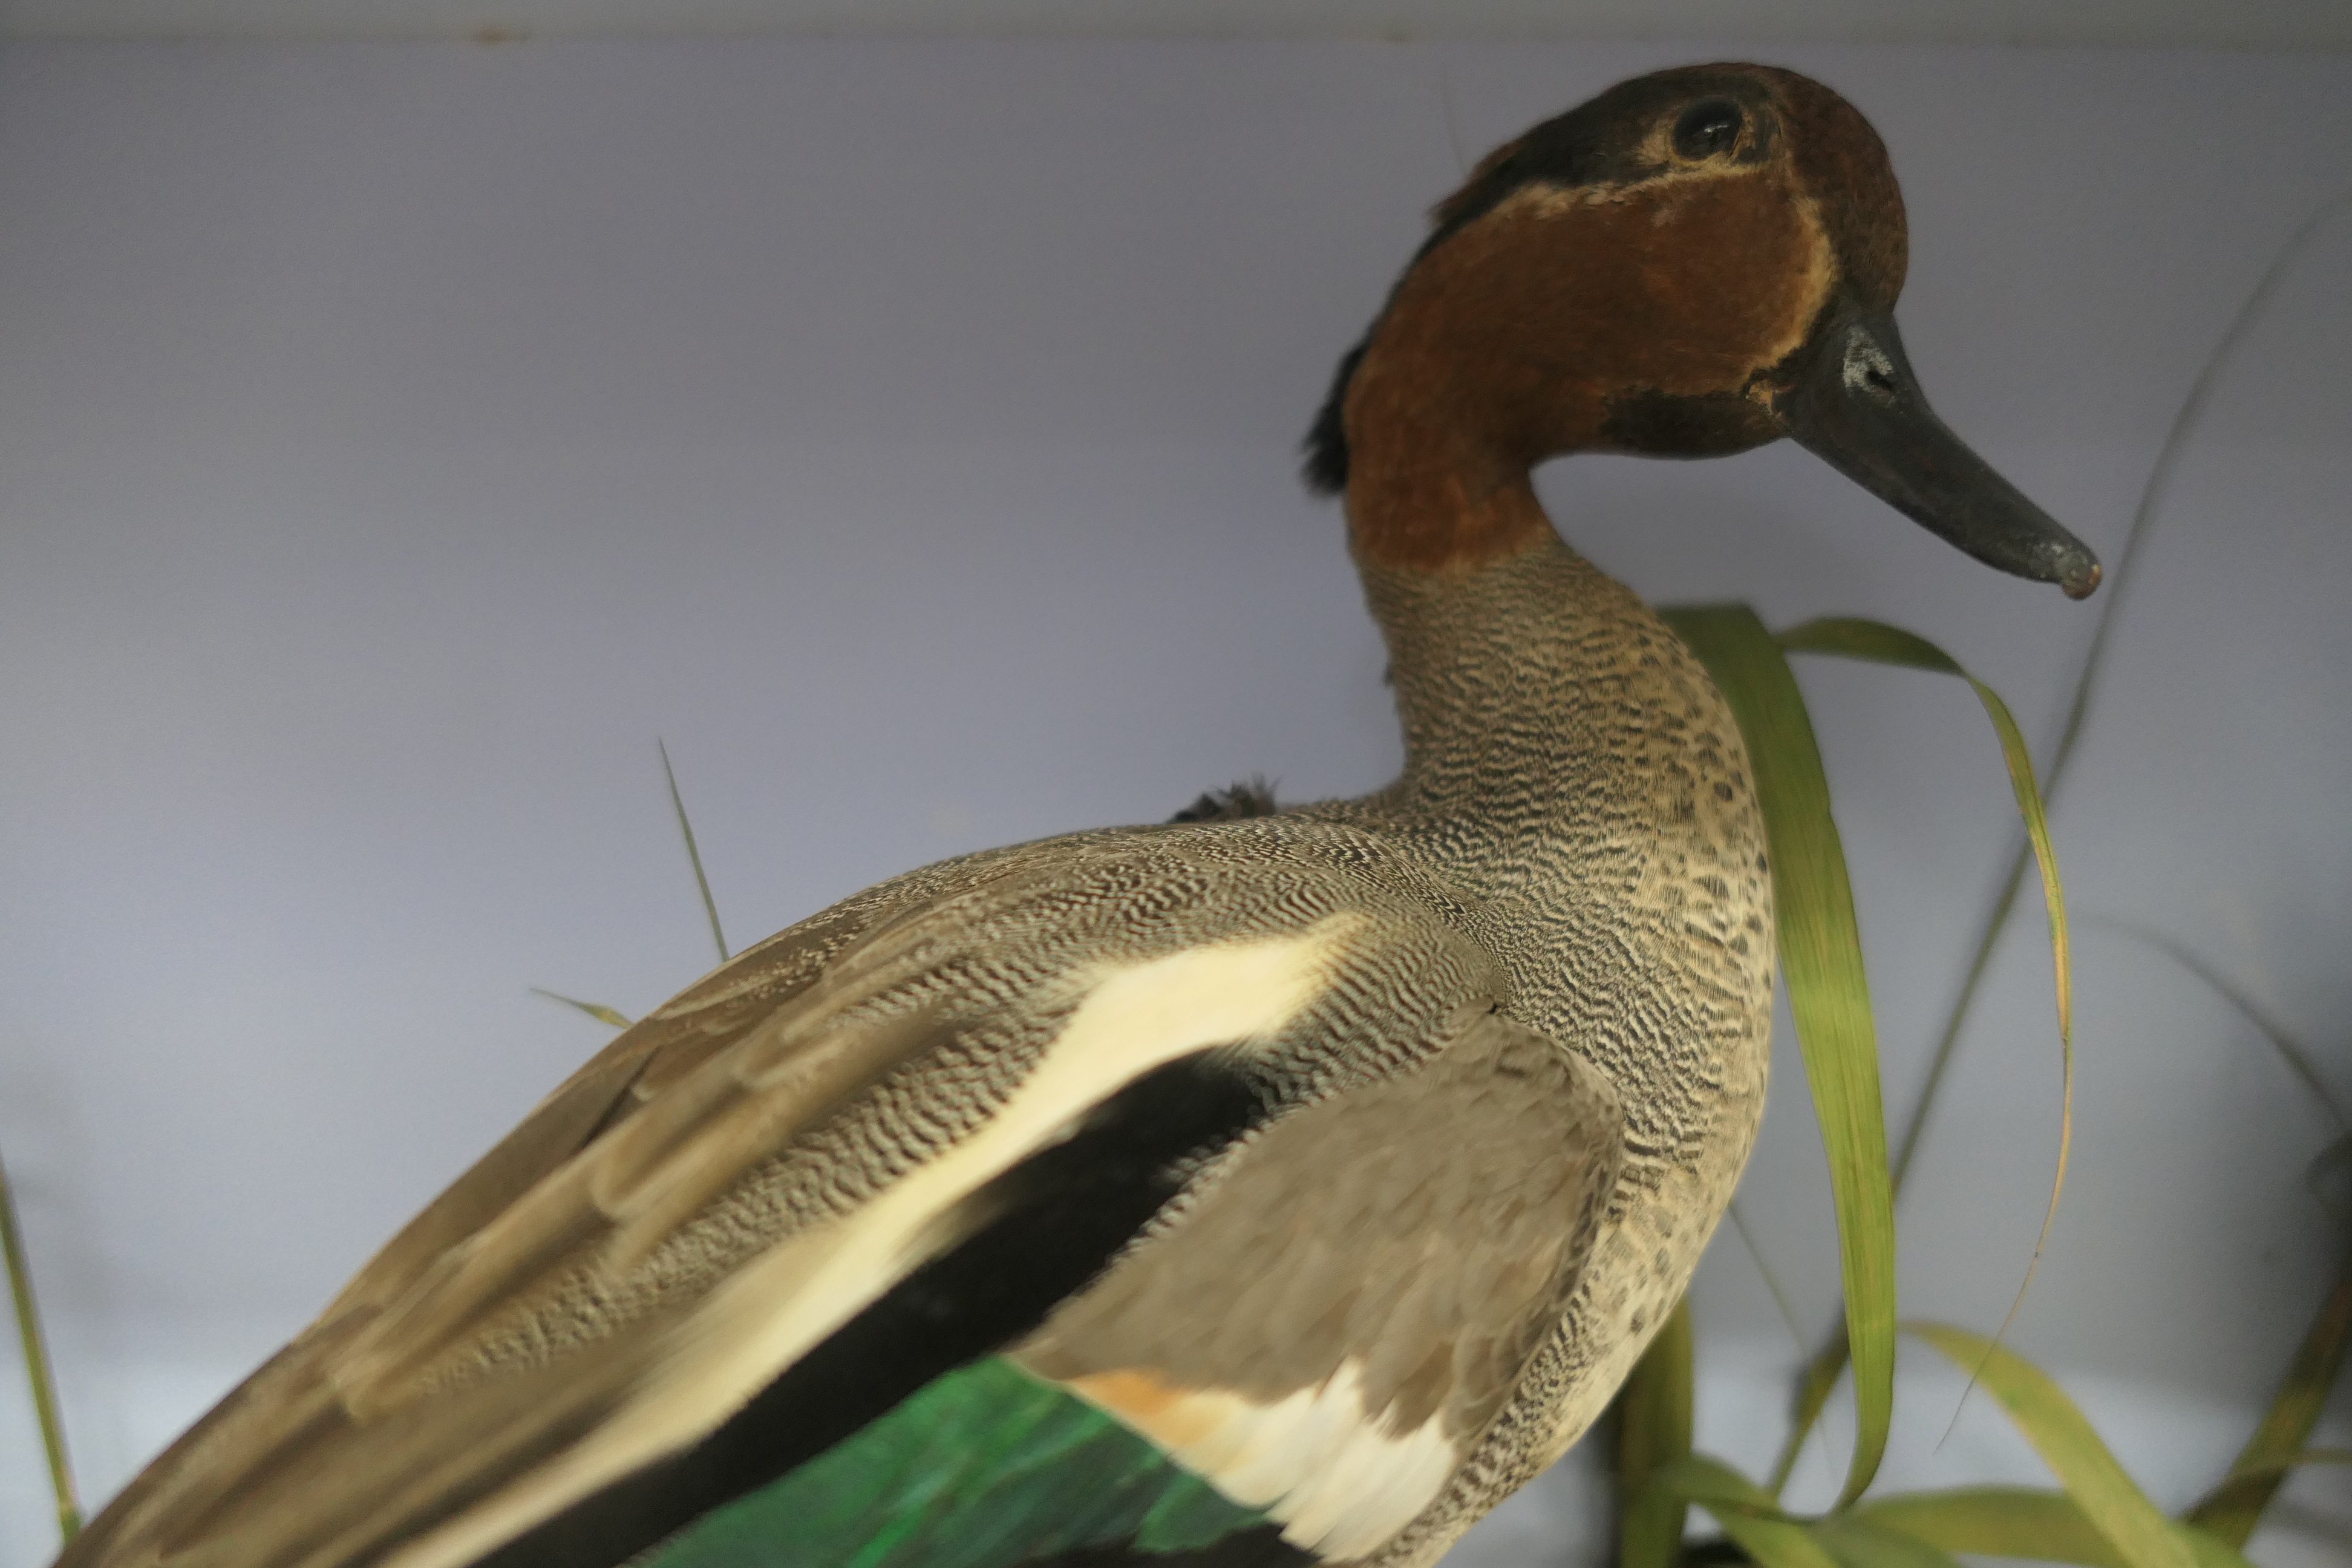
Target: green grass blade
[
  {"x": 38, "y": 1370},
  {"x": 685, "y": 826},
  {"x": 1860, "y": 1541},
  {"x": 2231, "y": 1510},
  {"x": 1654, "y": 1430},
  {"x": 1997, "y": 1521},
  {"x": 2023, "y": 1521},
  {"x": 1820, "y": 954},
  {"x": 1879, "y": 643},
  {"x": 2108, "y": 1498},
  {"x": 1747, "y": 1512},
  {"x": 595, "y": 1010}
]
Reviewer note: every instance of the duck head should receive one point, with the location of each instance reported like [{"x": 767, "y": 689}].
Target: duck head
[{"x": 1693, "y": 263}]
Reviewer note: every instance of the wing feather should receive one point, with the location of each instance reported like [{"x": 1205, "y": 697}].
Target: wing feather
[
  {"x": 544, "y": 1318},
  {"x": 611, "y": 1087},
  {"x": 1430, "y": 1229}
]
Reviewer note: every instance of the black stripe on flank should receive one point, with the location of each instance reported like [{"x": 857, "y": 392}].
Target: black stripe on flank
[{"x": 1047, "y": 1227}]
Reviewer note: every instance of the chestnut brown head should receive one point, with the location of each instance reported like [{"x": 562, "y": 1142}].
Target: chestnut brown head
[{"x": 1693, "y": 263}]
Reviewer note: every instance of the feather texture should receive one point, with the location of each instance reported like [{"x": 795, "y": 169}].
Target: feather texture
[{"x": 834, "y": 1142}]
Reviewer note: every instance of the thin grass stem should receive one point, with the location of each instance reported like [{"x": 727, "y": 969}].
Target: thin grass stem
[
  {"x": 677, "y": 804},
  {"x": 37, "y": 1369},
  {"x": 2291, "y": 1050},
  {"x": 1771, "y": 1280}
]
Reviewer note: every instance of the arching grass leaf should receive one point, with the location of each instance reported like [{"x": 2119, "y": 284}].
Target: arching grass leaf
[
  {"x": 1820, "y": 954},
  {"x": 1860, "y": 1541},
  {"x": 1747, "y": 1512},
  {"x": 2116, "y": 1507},
  {"x": 1997, "y": 1521},
  {"x": 1879, "y": 643},
  {"x": 2023, "y": 1521}
]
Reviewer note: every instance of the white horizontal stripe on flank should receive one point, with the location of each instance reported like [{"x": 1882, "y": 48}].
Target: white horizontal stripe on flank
[{"x": 1135, "y": 1018}]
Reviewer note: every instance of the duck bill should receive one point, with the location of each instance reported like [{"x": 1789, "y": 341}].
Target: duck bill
[{"x": 1854, "y": 402}]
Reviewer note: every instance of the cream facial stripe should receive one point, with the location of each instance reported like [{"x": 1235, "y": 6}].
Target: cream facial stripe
[
  {"x": 1325, "y": 1468},
  {"x": 1135, "y": 1018}
]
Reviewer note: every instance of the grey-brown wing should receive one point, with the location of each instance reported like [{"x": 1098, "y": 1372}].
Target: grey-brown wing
[
  {"x": 526, "y": 1211},
  {"x": 619, "y": 1079},
  {"x": 288, "y": 1394},
  {"x": 552, "y": 1331},
  {"x": 1328, "y": 1329}
]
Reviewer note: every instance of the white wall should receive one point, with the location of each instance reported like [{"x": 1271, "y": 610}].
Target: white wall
[
  {"x": 396, "y": 439},
  {"x": 2242, "y": 24}
]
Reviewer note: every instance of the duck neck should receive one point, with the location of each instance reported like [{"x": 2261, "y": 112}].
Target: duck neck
[
  {"x": 1497, "y": 664},
  {"x": 1545, "y": 707},
  {"x": 1532, "y": 688}
]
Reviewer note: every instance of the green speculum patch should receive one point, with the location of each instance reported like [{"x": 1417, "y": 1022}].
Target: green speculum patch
[{"x": 982, "y": 1467}]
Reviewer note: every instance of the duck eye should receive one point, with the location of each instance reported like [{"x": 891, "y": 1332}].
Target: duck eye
[{"x": 1708, "y": 128}]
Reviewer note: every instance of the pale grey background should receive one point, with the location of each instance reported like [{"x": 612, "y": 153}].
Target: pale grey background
[
  {"x": 2236, "y": 24},
  {"x": 397, "y": 438}
]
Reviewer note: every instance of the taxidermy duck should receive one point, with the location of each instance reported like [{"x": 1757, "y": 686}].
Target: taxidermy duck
[{"x": 1267, "y": 1189}]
